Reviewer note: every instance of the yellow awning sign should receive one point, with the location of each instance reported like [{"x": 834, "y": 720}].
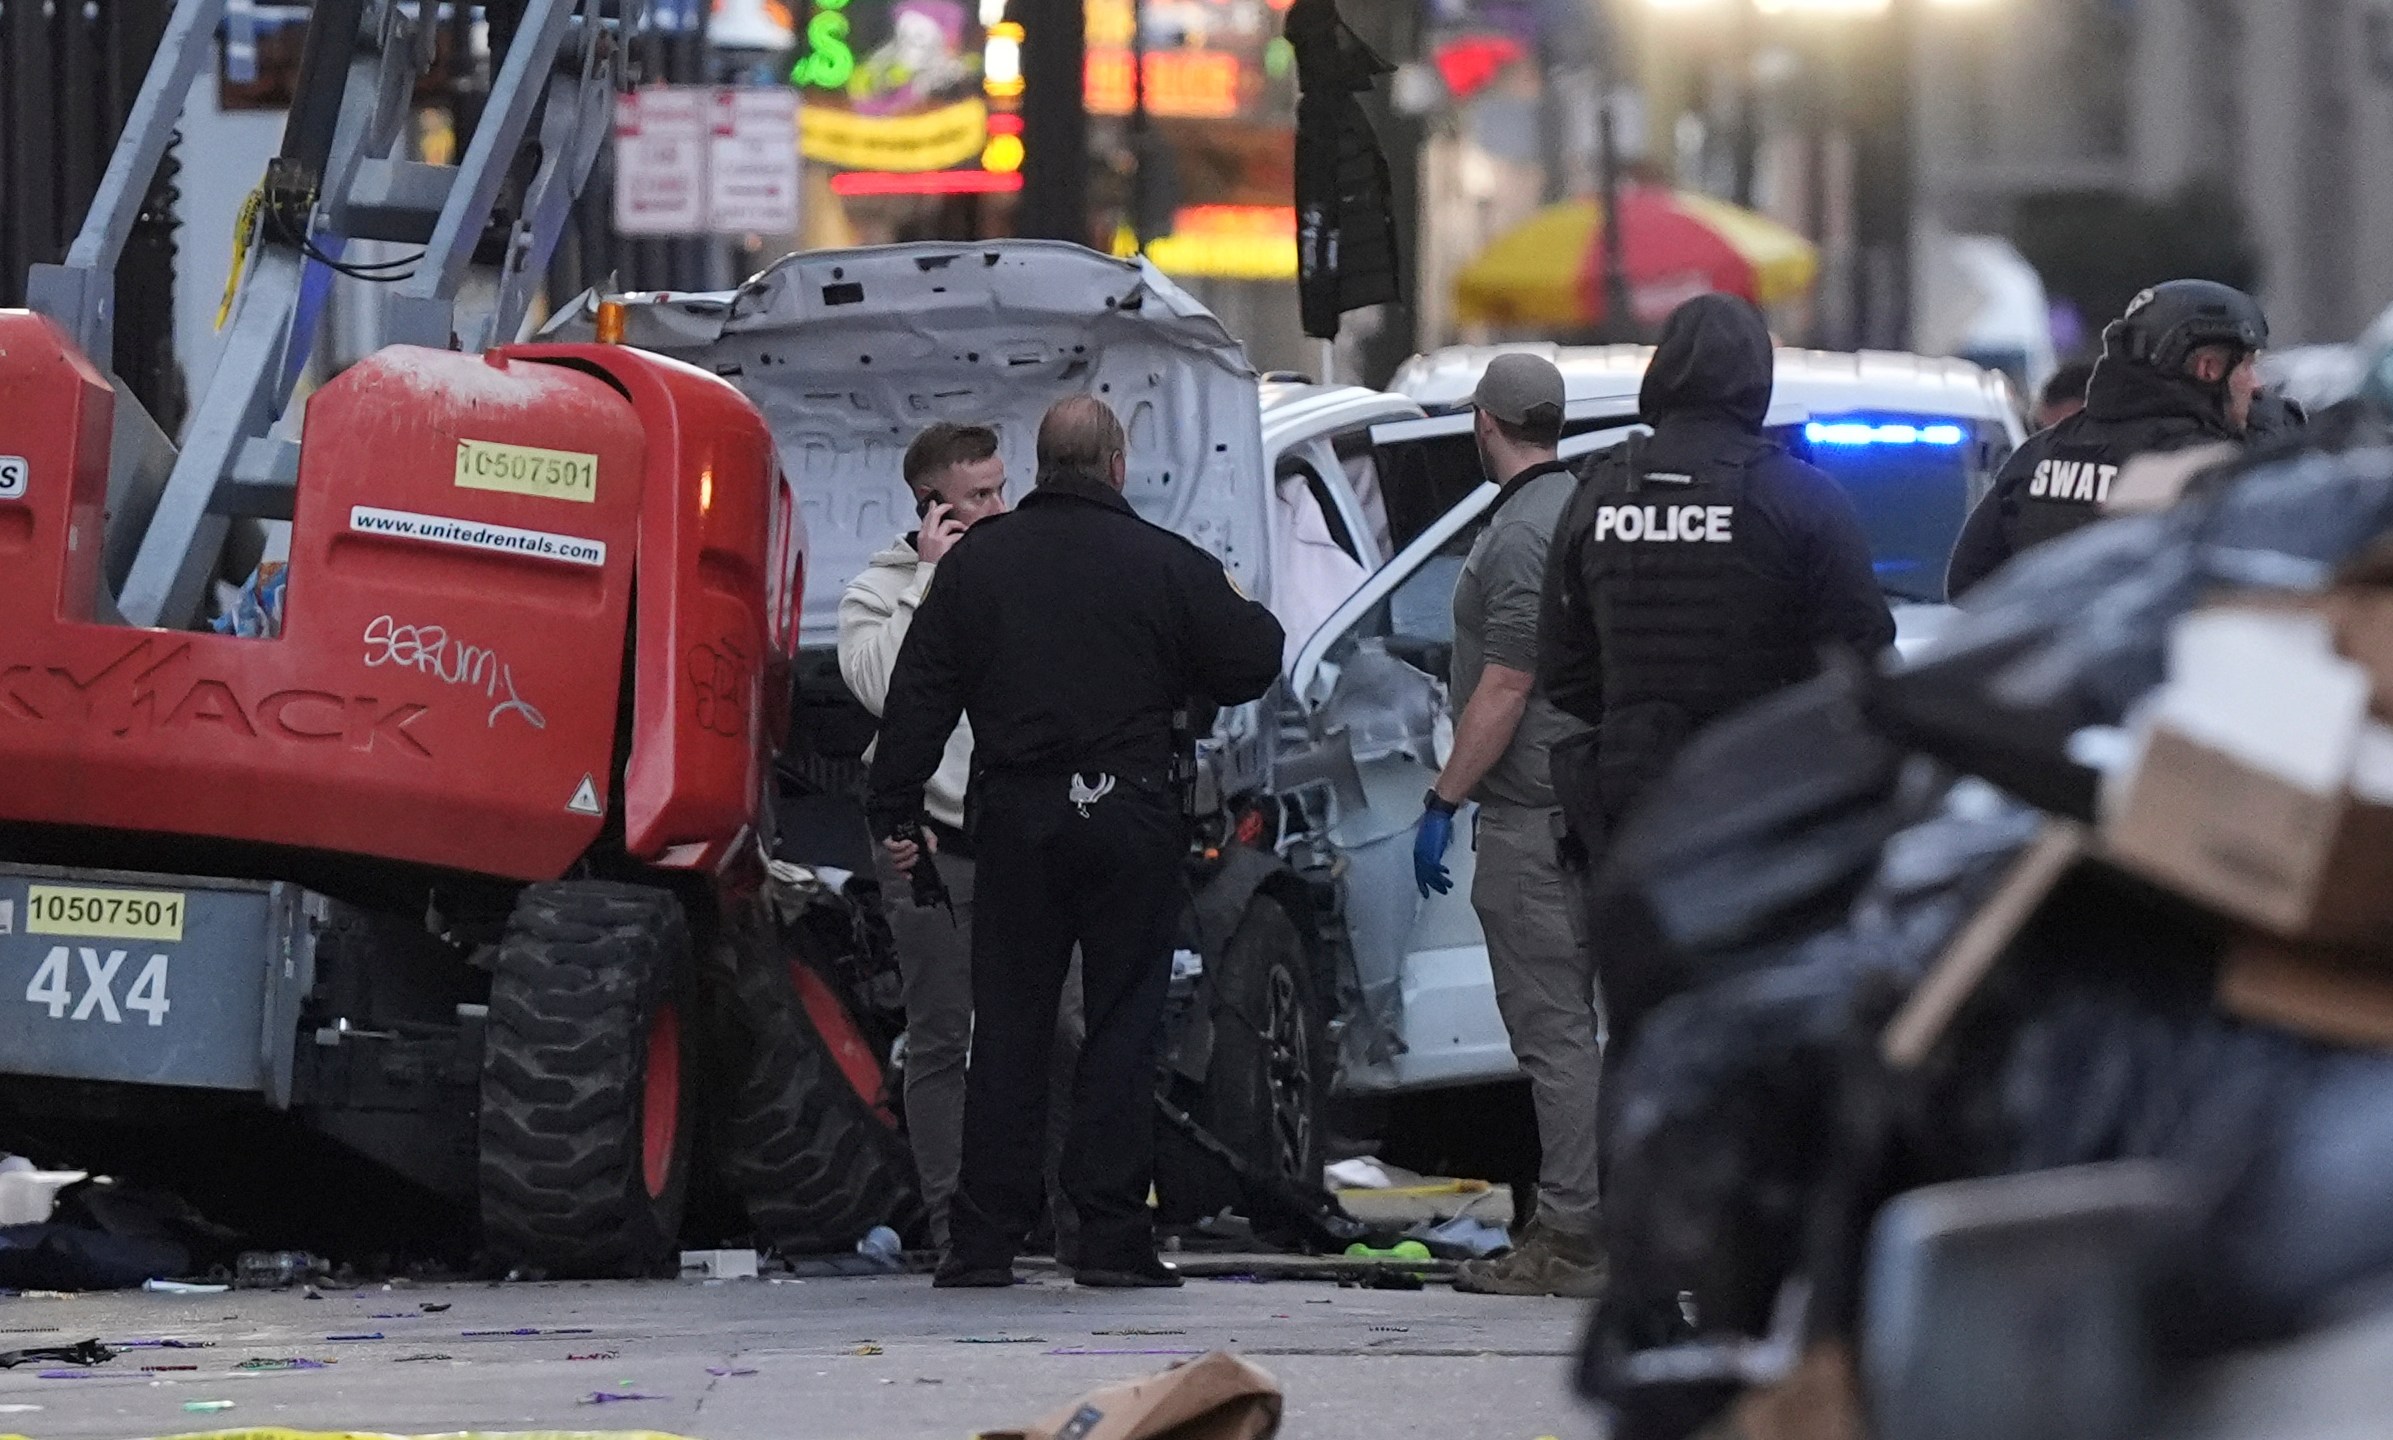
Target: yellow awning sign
[{"x": 933, "y": 140}]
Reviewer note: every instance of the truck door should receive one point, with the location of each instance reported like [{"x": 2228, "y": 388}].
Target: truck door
[{"x": 1371, "y": 686}]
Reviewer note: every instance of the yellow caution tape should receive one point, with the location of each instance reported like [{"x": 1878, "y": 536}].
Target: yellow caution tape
[
  {"x": 245, "y": 228},
  {"x": 1442, "y": 1187}
]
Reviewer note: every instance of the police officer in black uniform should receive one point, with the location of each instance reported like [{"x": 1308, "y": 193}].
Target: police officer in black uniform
[
  {"x": 1070, "y": 631},
  {"x": 2179, "y": 369},
  {"x": 1697, "y": 569}
]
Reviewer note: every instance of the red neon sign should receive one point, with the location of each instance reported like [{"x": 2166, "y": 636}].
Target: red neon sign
[{"x": 933, "y": 182}]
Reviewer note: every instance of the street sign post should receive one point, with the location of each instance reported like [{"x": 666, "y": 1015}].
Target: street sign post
[
  {"x": 707, "y": 159},
  {"x": 661, "y": 139},
  {"x": 752, "y": 161}
]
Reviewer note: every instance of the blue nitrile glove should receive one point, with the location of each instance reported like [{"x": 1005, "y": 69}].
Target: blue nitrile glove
[{"x": 1429, "y": 851}]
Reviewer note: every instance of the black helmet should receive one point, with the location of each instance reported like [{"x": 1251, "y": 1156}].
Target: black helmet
[{"x": 2168, "y": 323}]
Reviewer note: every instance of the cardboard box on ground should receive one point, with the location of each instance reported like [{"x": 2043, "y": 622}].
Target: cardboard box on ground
[
  {"x": 2264, "y": 787},
  {"x": 1215, "y": 1397}
]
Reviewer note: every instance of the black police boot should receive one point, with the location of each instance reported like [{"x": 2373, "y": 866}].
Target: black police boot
[
  {"x": 980, "y": 1254},
  {"x": 1148, "y": 1273},
  {"x": 957, "y": 1273}
]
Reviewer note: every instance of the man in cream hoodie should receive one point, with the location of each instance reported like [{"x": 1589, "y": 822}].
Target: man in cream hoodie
[{"x": 957, "y": 480}]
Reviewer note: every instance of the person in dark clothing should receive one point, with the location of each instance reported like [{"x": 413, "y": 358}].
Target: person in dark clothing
[
  {"x": 1697, "y": 569},
  {"x": 2179, "y": 369},
  {"x": 2064, "y": 394},
  {"x": 1069, "y": 631}
]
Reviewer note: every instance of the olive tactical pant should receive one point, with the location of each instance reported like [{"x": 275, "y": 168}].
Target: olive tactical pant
[{"x": 1532, "y": 912}]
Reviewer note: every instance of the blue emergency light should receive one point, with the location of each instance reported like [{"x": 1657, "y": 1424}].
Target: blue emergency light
[{"x": 1864, "y": 432}]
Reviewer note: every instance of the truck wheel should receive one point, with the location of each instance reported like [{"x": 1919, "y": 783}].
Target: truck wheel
[
  {"x": 1268, "y": 1081},
  {"x": 586, "y": 1123},
  {"x": 816, "y": 1161}
]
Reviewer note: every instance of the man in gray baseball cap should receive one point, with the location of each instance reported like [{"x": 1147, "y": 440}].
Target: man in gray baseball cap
[{"x": 1527, "y": 901}]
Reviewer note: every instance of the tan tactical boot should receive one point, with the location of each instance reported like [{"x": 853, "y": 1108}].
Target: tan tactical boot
[{"x": 1545, "y": 1262}]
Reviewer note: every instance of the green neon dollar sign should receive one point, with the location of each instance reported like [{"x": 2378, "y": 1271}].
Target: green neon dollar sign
[{"x": 828, "y": 61}]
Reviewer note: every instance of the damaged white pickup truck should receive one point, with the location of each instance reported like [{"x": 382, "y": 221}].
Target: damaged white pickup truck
[{"x": 1309, "y": 964}]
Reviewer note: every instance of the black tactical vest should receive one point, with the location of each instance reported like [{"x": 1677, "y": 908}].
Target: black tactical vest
[
  {"x": 1690, "y": 622},
  {"x": 2072, "y": 480}
]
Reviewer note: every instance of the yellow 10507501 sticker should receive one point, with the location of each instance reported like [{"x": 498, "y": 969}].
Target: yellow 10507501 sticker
[
  {"x": 104, "y": 914},
  {"x": 527, "y": 470}
]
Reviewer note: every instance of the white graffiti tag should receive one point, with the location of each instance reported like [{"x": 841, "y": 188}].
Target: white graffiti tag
[{"x": 429, "y": 650}]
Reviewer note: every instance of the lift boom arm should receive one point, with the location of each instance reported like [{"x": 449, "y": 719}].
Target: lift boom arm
[{"x": 338, "y": 178}]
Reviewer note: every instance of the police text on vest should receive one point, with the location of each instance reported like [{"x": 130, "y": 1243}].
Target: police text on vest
[
  {"x": 1664, "y": 522},
  {"x": 2072, "y": 480}
]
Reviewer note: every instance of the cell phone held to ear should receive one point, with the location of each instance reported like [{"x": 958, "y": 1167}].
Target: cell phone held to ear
[{"x": 923, "y": 504}]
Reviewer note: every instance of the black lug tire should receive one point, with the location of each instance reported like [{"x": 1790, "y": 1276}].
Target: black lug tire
[
  {"x": 580, "y": 977},
  {"x": 812, "y": 1163},
  {"x": 1265, "y": 1094}
]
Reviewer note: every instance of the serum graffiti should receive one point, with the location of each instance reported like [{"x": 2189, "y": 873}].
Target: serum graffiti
[{"x": 428, "y": 650}]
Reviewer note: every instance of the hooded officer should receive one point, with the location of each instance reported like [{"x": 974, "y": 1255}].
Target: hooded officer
[
  {"x": 1698, "y": 569},
  {"x": 2180, "y": 368}
]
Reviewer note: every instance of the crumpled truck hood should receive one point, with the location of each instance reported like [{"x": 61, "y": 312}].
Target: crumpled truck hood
[{"x": 850, "y": 353}]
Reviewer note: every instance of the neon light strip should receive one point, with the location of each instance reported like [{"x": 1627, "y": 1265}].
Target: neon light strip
[
  {"x": 931, "y": 182},
  {"x": 1862, "y": 433}
]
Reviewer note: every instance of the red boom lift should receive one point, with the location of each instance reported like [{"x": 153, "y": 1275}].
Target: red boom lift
[{"x": 461, "y": 869}]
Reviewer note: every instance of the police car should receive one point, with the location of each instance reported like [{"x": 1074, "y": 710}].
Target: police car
[
  {"x": 1915, "y": 440},
  {"x": 1308, "y": 964}
]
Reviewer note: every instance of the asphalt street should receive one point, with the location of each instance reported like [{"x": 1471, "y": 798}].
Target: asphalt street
[{"x": 873, "y": 1359}]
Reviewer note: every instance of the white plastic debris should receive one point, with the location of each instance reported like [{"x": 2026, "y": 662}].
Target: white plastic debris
[
  {"x": 718, "y": 1264},
  {"x": 1360, "y": 1173},
  {"x": 27, "y": 1195},
  {"x": 884, "y": 1247}
]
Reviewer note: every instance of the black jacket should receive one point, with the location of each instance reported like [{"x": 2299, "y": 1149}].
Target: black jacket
[
  {"x": 1345, "y": 199},
  {"x": 1700, "y": 569},
  {"x": 2057, "y": 481},
  {"x": 1070, "y": 631}
]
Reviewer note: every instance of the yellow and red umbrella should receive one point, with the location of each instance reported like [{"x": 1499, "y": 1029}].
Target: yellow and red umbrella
[{"x": 1549, "y": 272}]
